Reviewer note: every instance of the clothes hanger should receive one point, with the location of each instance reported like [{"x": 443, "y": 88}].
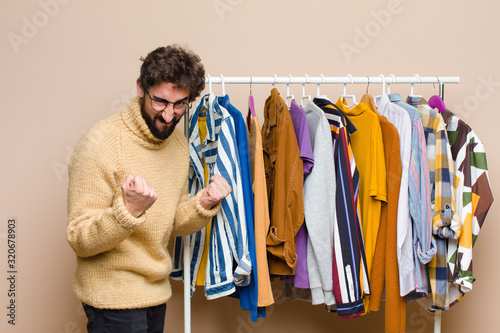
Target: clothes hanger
[
  {"x": 318, "y": 95},
  {"x": 288, "y": 91},
  {"x": 436, "y": 102},
  {"x": 223, "y": 83},
  {"x": 203, "y": 111},
  {"x": 393, "y": 77},
  {"x": 251, "y": 106},
  {"x": 411, "y": 89},
  {"x": 304, "y": 96},
  {"x": 367, "y": 94},
  {"x": 345, "y": 95},
  {"x": 368, "y": 99},
  {"x": 377, "y": 98}
]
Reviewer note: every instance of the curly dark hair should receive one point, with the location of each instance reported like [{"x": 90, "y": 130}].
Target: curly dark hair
[{"x": 174, "y": 64}]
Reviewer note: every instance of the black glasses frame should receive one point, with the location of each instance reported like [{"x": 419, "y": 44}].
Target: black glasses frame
[{"x": 184, "y": 105}]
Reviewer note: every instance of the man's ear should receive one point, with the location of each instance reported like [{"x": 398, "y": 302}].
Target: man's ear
[{"x": 140, "y": 91}]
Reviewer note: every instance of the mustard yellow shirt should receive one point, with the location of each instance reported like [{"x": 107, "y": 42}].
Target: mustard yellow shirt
[
  {"x": 368, "y": 150},
  {"x": 200, "y": 279}
]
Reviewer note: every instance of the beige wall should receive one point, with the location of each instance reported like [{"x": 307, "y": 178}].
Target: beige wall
[{"x": 66, "y": 64}]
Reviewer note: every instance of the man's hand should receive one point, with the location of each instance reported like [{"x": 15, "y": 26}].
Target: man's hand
[
  {"x": 138, "y": 195},
  {"x": 217, "y": 190}
]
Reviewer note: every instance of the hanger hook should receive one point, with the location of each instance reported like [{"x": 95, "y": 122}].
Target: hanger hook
[
  {"x": 304, "y": 91},
  {"x": 389, "y": 84},
  {"x": 317, "y": 87},
  {"x": 383, "y": 83},
  {"x": 223, "y": 85},
  {"x": 250, "y": 85},
  {"x": 275, "y": 79},
  {"x": 323, "y": 80},
  {"x": 413, "y": 84},
  {"x": 345, "y": 85},
  {"x": 288, "y": 85},
  {"x": 209, "y": 83},
  {"x": 368, "y": 85},
  {"x": 434, "y": 84},
  {"x": 440, "y": 87}
]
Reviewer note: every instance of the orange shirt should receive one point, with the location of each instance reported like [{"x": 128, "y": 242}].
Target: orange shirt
[
  {"x": 284, "y": 175},
  {"x": 261, "y": 212}
]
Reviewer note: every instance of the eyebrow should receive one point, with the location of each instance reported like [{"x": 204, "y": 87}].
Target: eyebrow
[{"x": 167, "y": 101}]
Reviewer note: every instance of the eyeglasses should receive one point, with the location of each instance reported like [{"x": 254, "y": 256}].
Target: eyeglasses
[{"x": 160, "y": 104}]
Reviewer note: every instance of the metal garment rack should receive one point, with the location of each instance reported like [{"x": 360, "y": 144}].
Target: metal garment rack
[{"x": 386, "y": 81}]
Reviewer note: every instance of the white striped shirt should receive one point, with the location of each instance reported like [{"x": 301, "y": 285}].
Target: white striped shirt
[
  {"x": 228, "y": 234},
  {"x": 401, "y": 120}
]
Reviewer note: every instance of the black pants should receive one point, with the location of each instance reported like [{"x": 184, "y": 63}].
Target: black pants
[{"x": 146, "y": 320}]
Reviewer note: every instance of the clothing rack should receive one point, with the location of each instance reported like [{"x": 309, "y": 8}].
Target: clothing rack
[{"x": 318, "y": 80}]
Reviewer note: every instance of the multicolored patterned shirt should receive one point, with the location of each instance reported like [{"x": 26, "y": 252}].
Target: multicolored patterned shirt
[
  {"x": 446, "y": 222},
  {"x": 474, "y": 198},
  {"x": 350, "y": 276}
]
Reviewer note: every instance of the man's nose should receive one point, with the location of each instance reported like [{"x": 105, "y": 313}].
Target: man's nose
[{"x": 168, "y": 113}]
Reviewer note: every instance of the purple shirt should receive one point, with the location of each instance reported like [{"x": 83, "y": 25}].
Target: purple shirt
[
  {"x": 303, "y": 138},
  {"x": 298, "y": 115}
]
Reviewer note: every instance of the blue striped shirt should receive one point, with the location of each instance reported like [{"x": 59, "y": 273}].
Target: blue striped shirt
[
  {"x": 228, "y": 234},
  {"x": 248, "y": 295}
]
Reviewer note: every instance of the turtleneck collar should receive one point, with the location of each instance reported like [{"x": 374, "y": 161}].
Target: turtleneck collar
[{"x": 133, "y": 119}]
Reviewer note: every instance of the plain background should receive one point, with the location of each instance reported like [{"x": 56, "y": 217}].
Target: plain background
[{"x": 67, "y": 64}]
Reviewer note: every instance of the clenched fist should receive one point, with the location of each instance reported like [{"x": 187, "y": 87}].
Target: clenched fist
[
  {"x": 217, "y": 190},
  {"x": 138, "y": 195}
]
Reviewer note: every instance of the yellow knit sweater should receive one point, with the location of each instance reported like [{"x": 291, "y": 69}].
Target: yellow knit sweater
[{"x": 122, "y": 261}]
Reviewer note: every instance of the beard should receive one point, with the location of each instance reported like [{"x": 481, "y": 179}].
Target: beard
[{"x": 151, "y": 122}]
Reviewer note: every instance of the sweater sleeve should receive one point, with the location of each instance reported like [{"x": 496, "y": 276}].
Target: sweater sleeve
[
  {"x": 97, "y": 218},
  {"x": 190, "y": 216},
  {"x": 320, "y": 215}
]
